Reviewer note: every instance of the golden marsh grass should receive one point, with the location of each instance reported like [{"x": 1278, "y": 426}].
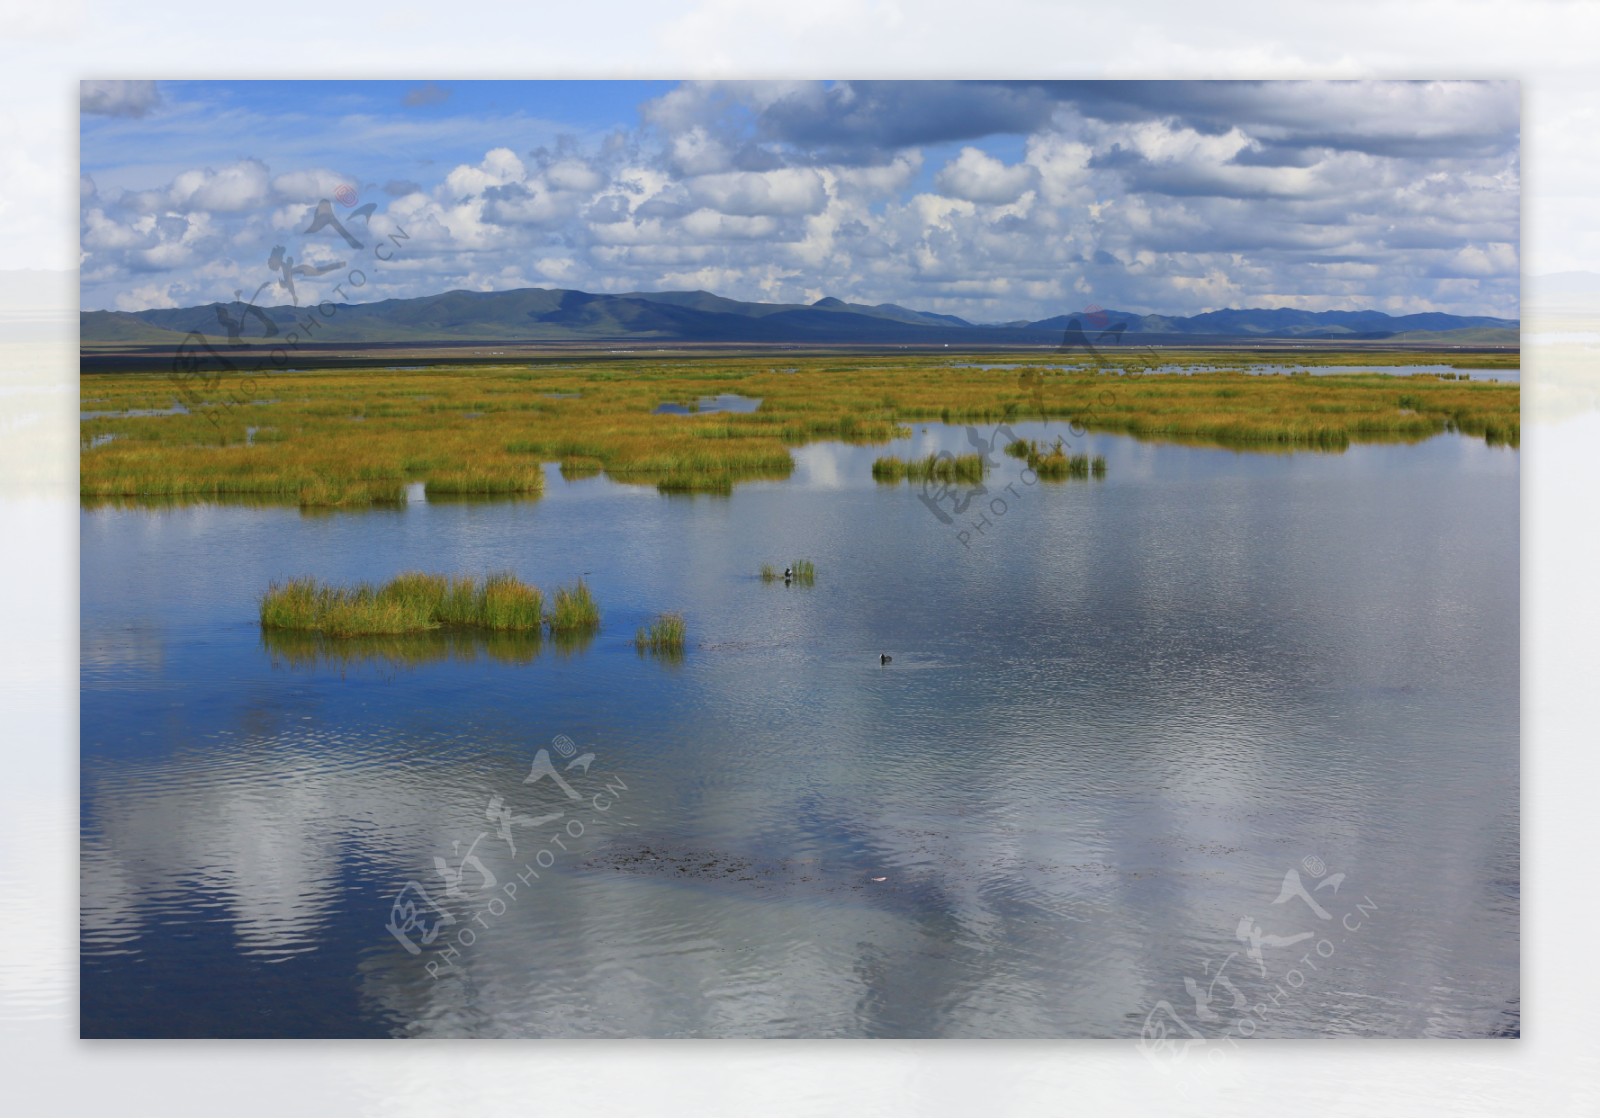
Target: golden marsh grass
[{"x": 341, "y": 438}]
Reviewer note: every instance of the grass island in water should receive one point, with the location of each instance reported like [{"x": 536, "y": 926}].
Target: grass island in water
[{"x": 416, "y": 602}]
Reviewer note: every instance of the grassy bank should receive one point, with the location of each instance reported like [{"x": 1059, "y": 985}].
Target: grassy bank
[{"x": 351, "y": 438}]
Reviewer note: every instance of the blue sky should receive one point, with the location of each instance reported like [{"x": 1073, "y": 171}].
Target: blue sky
[{"x": 990, "y": 200}]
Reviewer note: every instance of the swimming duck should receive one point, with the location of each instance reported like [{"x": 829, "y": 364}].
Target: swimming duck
[{"x": 884, "y": 658}]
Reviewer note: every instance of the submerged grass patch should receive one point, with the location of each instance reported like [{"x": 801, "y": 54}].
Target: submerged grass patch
[
  {"x": 487, "y": 429},
  {"x": 410, "y": 603}
]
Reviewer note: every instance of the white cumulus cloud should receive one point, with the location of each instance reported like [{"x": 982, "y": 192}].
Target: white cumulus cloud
[{"x": 978, "y": 177}]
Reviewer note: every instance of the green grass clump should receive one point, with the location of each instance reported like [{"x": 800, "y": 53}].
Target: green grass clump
[
  {"x": 574, "y": 610},
  {"x": 508, "y": 604},
  {"x": 805, "y": 572},
  {"x": 666, "y": 634},
  {"x": 410, "y": 603},
  {"x": 934, "y": 468},
  {"x": 768, "y": 573}
]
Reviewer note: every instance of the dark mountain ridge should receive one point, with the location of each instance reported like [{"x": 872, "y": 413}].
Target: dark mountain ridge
[{"x": 563, "y": 315}]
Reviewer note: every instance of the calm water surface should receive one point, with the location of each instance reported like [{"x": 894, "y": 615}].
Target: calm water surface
[{"x": 1116, "y": 719}]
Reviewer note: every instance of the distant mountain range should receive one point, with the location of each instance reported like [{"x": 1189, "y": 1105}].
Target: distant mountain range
[{"x": 559, "y": 315}]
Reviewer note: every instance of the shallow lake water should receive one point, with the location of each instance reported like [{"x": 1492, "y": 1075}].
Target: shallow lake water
[{"x": 1150, "y": 749}]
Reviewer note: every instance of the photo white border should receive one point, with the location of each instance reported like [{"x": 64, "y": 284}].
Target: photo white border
[{"x": 47, "y": 1071}]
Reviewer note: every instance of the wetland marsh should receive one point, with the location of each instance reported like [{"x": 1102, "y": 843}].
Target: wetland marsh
[
  {"x": 1109, "y": 722},
  {"x": 342, "y": 438}
]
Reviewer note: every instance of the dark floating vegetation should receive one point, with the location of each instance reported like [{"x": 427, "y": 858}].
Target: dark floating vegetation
[
  {"x": 666, "y": 634},
  {"x": 487, "y": 430},
  {"x": 801, "y": 571},
  {"x": 410, "y": 603},
  {"x": 1053, "y": 463},
  {"x": 934, "y": 468}
]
